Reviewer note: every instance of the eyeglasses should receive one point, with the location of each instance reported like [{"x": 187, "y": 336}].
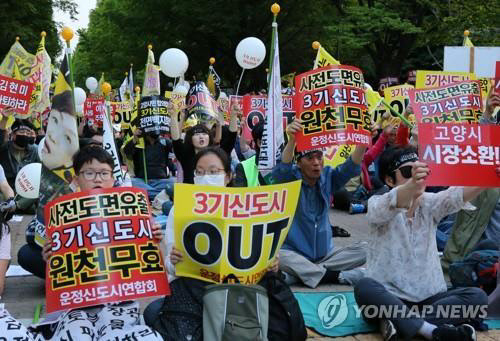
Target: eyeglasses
[
  {"x": 406, "y": 171},
  {"x": 92, "y": 175},
  {"x": 211, "y": 171}
]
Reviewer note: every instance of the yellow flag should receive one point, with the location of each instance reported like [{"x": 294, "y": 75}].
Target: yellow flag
[
  {"x": 16, "y": 74},
  {"x": 151, "y": 85},
  {"x": 24, "y": 60},
  {"x": 323, "y": 58},
  {"x": 99, "y": 85},
  {"x": 468, "y": 42},
  {"x": 41, "y": 74}
]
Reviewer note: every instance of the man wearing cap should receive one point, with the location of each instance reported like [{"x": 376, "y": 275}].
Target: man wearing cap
[
  {"x": 19, "y": 151},
  {"x": 308, "y": 254}
]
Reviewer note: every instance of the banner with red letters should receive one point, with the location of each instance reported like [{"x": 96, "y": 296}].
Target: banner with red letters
[
  {"x": 460, "y": 154},
  {"x": 16, "y": 95},
  {"x": 94, "y": 110},
  {"x": 102, "y": 249},
  {"x": 254, "y": 111},
  {"x": 331, "y": 104},
  {"x": 452, "y": 103}
]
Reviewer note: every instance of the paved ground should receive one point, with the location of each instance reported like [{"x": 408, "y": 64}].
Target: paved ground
[{"x": 22, "y": 294}]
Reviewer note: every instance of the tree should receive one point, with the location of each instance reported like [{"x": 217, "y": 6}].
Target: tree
[{"x": 27, "y": 19}]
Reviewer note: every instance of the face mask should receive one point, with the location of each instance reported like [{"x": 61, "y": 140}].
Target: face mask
[
  {"x": 23, "y": 140},
  {"x": 211, "y": 180}
]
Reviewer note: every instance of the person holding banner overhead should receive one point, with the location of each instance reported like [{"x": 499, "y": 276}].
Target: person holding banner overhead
[
  {"x": 403, "y": 252},
  {"x": 308, "y": 254}
]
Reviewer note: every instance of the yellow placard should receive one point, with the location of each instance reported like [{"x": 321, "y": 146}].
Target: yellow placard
[
  {"x": 18, "y": 54},
  {"x": 231, "y": 232},
  {"x": 122, "y": 114},
  {"x": 337, "y": 155},
  {"x": 397, "y": 97},
  {"x": 433, "y": 79}
]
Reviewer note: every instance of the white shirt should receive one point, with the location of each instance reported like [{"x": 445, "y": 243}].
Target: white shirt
[{"x": 402, "y": 252}]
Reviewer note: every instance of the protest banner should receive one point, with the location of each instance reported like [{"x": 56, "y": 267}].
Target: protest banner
[
  {"x": 223, "y": 103},
  {"x": 332, "y": 106},
  {"x": 397, "y": 97},
  {"x": 254, "y": 111},
  {"x": 337, "y": 155},
  {"x": 17, "y": 54},
  {"x": 200, "y": 103},
  {"x": 102, "y": 249},
  {"x": 121, "y": 112},
  {"x": 231, "y": 231},
  {"x": 109, "y": 145},
  {"x": 94, "y": 110},
  {"x": 460, "y": 154},
  {"x": 457, "y": 102},
  {"x": 153, "y": 115},
  {"x": 432, "y": 79},
  {"x": 15, "y": 95}
]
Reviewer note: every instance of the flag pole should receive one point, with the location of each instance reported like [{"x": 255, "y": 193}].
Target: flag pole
[
  {"x": 275, "y": 9},
  {"x": 67, "y": 34}
]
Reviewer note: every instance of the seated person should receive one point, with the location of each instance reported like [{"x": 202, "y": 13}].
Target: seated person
[
  {"x": 6, "y": 209},
  {"x": 308, "y": 254},
  {"x": 403, "y": 270},
  {"x": 211, "y": 167}
]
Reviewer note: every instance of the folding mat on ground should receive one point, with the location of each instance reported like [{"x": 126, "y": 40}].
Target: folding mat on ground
[{"x": 337, "y": 314}]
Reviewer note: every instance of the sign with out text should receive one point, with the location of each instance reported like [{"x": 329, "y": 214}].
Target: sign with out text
[
  {"x": 15, "y": 95},
  {"x": 102, "y": 249},
  {"x": 332, "y": 106},
  {"x": 235, "y": 232},
  {"x": 453, "y": 103},
  {"x": 460, "y": 154},
  {"x": 254, "y": 112}
]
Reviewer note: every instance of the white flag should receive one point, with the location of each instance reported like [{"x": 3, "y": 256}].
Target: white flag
[
  {"x": 108, "y": 143},
  {"x": 123, "y": 90},
  {"x": 131, "y": 86},
  {"x": 272, "y": 138}
]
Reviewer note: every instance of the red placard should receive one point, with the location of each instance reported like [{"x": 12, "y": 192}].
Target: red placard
[
  {"x": 102, "y": 249},
  {"x": 452, "y": 103},
  {"x": 331, "y": 104},
  {"x": 15, "y": 94},
  {"x": 94, "y": 110},
  {"x": 254, "y": 111},
  {"x": 460, "y": 154}
]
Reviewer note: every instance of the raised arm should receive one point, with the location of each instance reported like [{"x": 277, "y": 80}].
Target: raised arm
[{"x": 291, "y": 130}]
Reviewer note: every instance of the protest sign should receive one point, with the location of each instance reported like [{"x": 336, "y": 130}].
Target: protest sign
[
  {"x": 94, "y": 111},
  {"x": 153, "y": 115},
  {"x": 102, "y": 249},
  {"x": 200, "y": 103},
  {"x": 15, "y": 94},
  {"x": 337, "y": 155},
  {"x": 332, "y": 106},
  {"x": 223, "y": 103},
  {"x": 109, "y": 145},
  {"x": 397, "y": 97},
  {"x": 231, "y": 231},
  {"x": 460, "y": 154},
  {"x": 254, "y": 111},
  {"x": 17, "y": 55},
  {"x": 432, "y": 79},
  {"x": 457, "y": 102},
  {"x": 121, "y": 112}
]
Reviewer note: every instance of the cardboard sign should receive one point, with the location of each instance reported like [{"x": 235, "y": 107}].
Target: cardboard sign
[
  {"x": 460, "y": 154},
  {"x": 200, "y": 103},
  {"x": 331, "y": 104},
  {"x": 153, "y": 114},
  {"x": 103, "y": 249},
  {"x": 94, "y": 111},
  {"x": 254, "y": 111},
  {"x": 121, "y": 112},
  {"x": 433, "y": 79},
  {"x": 457, "y": 102},
  {"x": 15, "y": 94},
  {"x": 231, "y": 231}
]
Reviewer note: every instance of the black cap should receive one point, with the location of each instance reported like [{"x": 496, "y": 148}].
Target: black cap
[{"x": 22, "y": 124}]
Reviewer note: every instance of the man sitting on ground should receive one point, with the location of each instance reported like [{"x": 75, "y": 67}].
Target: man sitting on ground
[
  {"x": 308, "y": 254},
  {"x": 403, "y": 272}
]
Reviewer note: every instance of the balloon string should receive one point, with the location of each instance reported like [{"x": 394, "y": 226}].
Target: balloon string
[
  {"x": 241, "y": 77},
  {"x": 175, "y": 81}
]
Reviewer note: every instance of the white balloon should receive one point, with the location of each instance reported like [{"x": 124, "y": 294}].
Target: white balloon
[
  {"x": 368, "y": 86},
  {"x": 250, "y": 52},
  {"x": 28, "y": 181},
  {"x": 173, "y": 62},
  {"x": 91, "y": 83},
  {"x": 80, "y": 96}
]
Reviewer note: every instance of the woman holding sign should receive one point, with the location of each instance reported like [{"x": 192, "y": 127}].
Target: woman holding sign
[{"x": 180, "y": 316}]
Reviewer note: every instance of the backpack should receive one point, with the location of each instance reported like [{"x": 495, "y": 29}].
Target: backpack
[
  {"x": 235, "y": 312},
  {"x": 286, "y": 321},
  {"x": 478, "y": 269},
  {"x": 180, "y": 317}
]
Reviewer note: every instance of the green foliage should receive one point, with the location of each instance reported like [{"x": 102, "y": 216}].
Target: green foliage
[
  {"x": 382, "y": 37},
  {"x": 27, "y": 19}
]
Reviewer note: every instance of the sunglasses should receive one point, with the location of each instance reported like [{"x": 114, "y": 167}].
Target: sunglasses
[{"x": 405, "y": 171}]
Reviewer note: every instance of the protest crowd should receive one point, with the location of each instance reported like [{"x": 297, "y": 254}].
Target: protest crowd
[{"x": 219, "y": 205}]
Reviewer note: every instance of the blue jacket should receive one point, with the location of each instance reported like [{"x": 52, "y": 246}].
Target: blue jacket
[{"x": 310, "y": 234}]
